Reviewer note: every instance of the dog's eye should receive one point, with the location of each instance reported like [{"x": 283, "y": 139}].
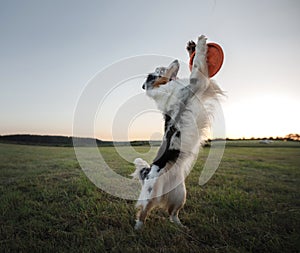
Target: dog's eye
[{"x": 160, "y": 71}]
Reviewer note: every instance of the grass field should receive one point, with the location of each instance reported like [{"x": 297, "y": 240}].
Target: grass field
[{"x": 252, "y": 204}]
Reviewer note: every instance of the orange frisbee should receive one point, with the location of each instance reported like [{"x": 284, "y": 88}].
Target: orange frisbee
[{"x": 215, "y": 58}]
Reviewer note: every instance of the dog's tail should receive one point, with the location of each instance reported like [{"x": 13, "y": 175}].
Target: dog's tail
[{"x": 139, "y": 165}]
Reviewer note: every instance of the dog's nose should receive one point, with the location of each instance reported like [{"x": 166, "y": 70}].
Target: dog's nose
[{"x": 144, "y": 86}]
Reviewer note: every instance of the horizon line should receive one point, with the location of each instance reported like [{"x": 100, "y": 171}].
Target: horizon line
[{"x": 154, "y": 140}]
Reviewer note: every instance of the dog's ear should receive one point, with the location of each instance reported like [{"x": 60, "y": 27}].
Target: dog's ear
[{"x": 172, "y": 70}]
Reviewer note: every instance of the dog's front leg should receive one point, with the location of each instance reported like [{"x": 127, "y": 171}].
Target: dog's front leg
[{"x": 199, "y": 80}]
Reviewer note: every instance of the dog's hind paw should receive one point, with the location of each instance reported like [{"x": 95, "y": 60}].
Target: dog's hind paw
[
  {"x": 138, "y": 225},
  {"x": 174, "y": 219}
]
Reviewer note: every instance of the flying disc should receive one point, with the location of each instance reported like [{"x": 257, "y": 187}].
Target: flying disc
[{"x": 215, "y": 58}]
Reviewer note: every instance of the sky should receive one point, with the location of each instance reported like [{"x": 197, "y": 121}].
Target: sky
[{"x": 51, "y": 50}]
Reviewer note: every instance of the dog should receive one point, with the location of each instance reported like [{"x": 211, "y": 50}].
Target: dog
[{"x": 187, "y": 107}]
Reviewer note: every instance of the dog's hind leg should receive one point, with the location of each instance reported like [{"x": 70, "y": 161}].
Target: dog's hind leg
[
  {"x": 173, "y": 212},
  {"x": 147, "y": 198},
  {"x": 178, "y": 200},
  {"x": 174, "y": 218},
  {"x": 142, "y": 215}
]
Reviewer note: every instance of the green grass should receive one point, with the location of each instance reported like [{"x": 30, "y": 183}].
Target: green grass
[{"x": 252, "y": 204}]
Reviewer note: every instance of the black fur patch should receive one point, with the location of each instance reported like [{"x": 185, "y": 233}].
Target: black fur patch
[
  {"x": 167, "y": 121},
  {"x": 194, "y": 81},
  {"x": 149, "y": 189},
  {"x": 144, "y": 173},
  {"x": 165, "y": 154},
  {"x": 151, "y": 78}
]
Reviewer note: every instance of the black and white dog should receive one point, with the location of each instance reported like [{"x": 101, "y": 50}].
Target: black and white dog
[{"x": 187, "y": 106}]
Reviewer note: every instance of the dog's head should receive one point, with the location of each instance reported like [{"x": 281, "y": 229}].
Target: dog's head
[
  {"x": 161, "y": 76},
  {"x": 163, "y": 86}
]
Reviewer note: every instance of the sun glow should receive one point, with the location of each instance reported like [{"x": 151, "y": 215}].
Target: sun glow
[{"x": 264, "y": 116}]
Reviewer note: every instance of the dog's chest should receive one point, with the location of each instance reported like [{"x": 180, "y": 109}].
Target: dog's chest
[{"x": 169, "y": 97}]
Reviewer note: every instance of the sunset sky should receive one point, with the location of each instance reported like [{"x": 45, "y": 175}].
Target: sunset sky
[{"x": 51, "y": 49}]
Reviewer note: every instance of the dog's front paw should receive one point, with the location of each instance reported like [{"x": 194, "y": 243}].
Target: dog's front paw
[
  {"x": 201, "y": 39},
  {"x": 201, "y": 45},
  {"x": 191, "y": 47}
]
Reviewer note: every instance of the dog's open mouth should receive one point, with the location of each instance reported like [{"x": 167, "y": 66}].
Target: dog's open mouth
[{"x": 160, "y": 80}]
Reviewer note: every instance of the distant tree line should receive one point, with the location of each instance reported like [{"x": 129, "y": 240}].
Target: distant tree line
[
  {"x": 293, "y": 137},
  {"x": 65, "y": 141},
  {"x": 37, "y": 139},
  {"x": 289, "y": 137},
  {"x": 50, "y": 140}
]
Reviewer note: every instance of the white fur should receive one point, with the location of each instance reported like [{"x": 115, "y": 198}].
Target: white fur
[
  {"x": 168, "y": 185},
  {"x": 139, "y": 164},
  {"x": 145, "y": 195}
]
